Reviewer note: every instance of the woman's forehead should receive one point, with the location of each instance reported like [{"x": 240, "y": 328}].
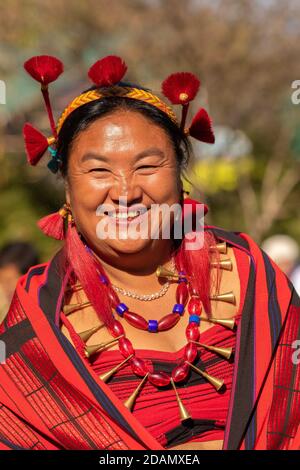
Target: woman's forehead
[{"x": 122, "y": 129}]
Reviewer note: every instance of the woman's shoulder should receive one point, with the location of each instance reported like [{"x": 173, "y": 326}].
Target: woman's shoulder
[
  {"x": 33, "y": 276},
  {"x": 37, "y": 274},
  {"x": 235, "y": 238},
  {"x": 29, "y": 282}
]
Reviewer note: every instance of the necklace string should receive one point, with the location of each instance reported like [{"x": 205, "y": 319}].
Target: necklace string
[{"x": 147, "y": 297}]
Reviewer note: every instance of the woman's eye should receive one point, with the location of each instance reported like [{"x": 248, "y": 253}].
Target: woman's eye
[
  {"x": 99, "y": 169},
  {"x": 146, "y": 166}
]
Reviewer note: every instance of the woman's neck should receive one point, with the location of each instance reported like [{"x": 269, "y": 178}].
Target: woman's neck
[{"x": 137, "y": 271}]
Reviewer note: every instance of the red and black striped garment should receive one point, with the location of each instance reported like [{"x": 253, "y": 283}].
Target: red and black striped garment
[
  {"x": 157, "y": 408},
  {"x": 50, "y": 398}
]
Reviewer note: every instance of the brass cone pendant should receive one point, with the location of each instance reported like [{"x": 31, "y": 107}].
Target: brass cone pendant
[
  {"x": 220, "y": 247},
  {"x": 85, "y": 335},
  {"x": 226, "y": 322},
  {"x": 75, "y": 288},
  {"x": 184, "y": 414},
  {"x": 74, "y": 307},
  {"x": 163, "y": 272},
  {"x": 228, "y": 297},
  {"x": 223, "y": 264},
  {"x": 217, "y": 383},
  {"x": 131, "y": 400},
  {"x": 93, "y": 348},
  {"x": 224, "y": 352},
  {"x": 107, "y": 375}
]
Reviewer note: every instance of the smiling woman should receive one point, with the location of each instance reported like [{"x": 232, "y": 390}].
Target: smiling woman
[
  {"x": 148, "y": 342},
  {"x": 130, "y": 168}
]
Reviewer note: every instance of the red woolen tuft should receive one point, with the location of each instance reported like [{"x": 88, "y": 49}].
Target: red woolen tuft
[
  {"x": 191, "y": 209},
  {"x": 201, "y": 127},
  {"x": 77, "y": 341},
  {"x": 87, "y": 272},
  {"x": 107, "y": 71},
  {"x": 44, "y": 68},
  {"x": 36, "y": 144},
  {"x": 181, "y": 87},
  {"x": 52, "y": 225},
  {"x": 196, "y": 264},
  {"x": 190, "y": 206},
  {"x": 195, "y": 261}
]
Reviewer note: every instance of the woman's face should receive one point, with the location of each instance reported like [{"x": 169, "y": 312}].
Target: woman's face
[{"x": 125, "y": 161}]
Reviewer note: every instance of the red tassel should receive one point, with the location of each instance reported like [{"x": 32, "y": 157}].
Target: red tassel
[
  {"x": 86, "y": 271},
  {"x": 53, "y": 225},
  {"x": 107, "y": 71},
  {"x": 181, "y": 87},
  {"x": 201, "y": 127},
  {"x": 36, "y": 143},
  {"x": 44, "y": 68},
  {"x": 189, "y": 207},
  {"x": 196, "y": 263}
]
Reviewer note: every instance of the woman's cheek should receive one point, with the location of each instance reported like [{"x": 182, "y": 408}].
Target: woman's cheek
[
  {"x": 161, "y": 187},
  {"x": 89, "y": 193}
]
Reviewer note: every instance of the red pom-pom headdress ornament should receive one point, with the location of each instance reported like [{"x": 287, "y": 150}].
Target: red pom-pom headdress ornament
[{"x": 180, "y": 88}]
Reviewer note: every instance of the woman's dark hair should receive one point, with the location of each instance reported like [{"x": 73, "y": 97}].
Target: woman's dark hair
[{"x": 83, "y": 116}]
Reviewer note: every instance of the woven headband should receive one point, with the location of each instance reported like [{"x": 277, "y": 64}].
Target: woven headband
[
  {"x": 125, "y": 92},
  {"x": 107, "y": 73}
]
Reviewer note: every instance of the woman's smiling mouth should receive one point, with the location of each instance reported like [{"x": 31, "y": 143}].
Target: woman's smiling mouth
[{"x": 125, "y": 216}]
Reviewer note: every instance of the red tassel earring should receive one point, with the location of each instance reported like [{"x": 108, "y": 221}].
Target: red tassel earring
[
  {"x": 190, "y": 207},
  {"x": 53, "y": 225},
  {"x": 87, "y": 272}
]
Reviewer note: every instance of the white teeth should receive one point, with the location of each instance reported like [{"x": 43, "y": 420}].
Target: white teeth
[{"x": 124, "y": 215}]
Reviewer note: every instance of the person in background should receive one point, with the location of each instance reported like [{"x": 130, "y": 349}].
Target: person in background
[
  {"x": 15, "y": 260},
  {"x": 285, "y": 252}
]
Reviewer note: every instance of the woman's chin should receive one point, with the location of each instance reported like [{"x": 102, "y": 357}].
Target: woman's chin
[{"x": 128, "y": 246}]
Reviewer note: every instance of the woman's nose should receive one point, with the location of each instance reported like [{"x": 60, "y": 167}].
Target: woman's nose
[{"x": 128, "y": 189}]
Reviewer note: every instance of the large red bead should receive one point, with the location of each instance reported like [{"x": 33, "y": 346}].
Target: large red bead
[
  {"x": 195, "y": 306},
  {"x": 114, "y": 299},
  {"x": 180, "y": 372},
  {"x": 168, "y": 321},
  {"x": 190, "y": 352},
  {"x": 125, "y": 347},
  {"x": 116, "y": 329},
  {"x": 139, "y": 367},
  {"x": 136, "y": 320},
  {"x": 192, "y": 290},
  {"x": 159, "y": 379},
  {"x": 182, "y": 293},
  {"x": 192, "y": 332}
]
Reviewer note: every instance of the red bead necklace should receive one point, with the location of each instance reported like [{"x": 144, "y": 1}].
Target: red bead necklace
[
  {"x": 138, "y": 366},
  {"x": 153, "y": 326}
]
